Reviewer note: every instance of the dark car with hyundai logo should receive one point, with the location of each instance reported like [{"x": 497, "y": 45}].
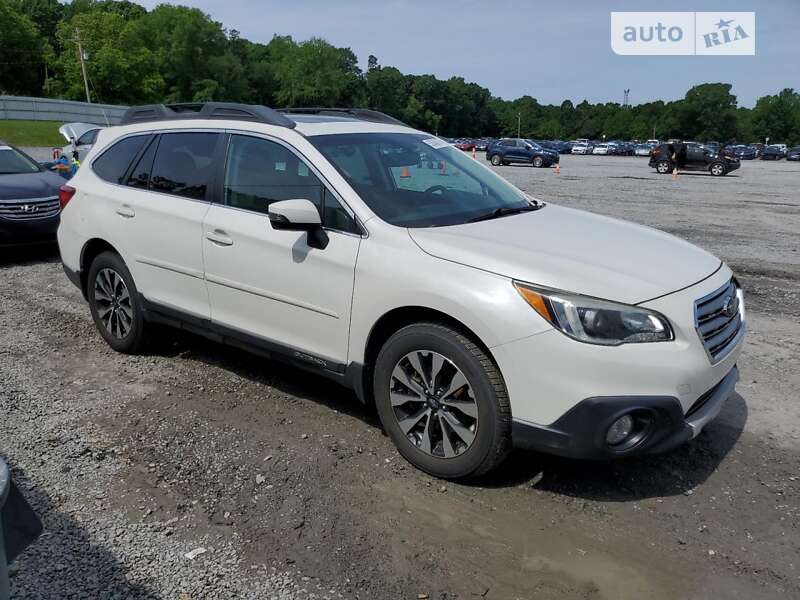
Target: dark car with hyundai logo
[{"x": 29, "y": 204}]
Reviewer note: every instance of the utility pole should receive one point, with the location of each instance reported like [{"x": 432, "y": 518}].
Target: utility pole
[
  {"x": 519, "y": 124},
  {"x": 83, "y": 64}
]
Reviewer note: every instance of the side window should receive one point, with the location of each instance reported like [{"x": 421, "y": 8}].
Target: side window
[
  {"x": 140, "y": 176},
  {"x": 113, "y": 163},
  {"x": 184, "y": 164},
  {"x": 88, "y": 138},
  {"x": 259, "y": 172}
]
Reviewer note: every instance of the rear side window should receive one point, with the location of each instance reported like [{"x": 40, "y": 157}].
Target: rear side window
[
  {"x": 88, "y": 138},
  {"x": 140, "y": 176},
  {"x": 114, "y": 162},
  {"x": 184, "y": 164}
]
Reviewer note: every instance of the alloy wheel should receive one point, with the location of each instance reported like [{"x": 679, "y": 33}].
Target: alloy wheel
[
  {"x": 113, "y": 303},
  {"x": 434, "y": 404}
]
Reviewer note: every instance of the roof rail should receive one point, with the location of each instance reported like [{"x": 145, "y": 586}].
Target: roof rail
[
  {"x": 205, "y": 110},
  {"x": 363, "y": 114}
]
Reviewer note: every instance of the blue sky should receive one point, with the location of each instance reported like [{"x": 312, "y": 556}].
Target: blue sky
[{"x": 549, "y": 50}]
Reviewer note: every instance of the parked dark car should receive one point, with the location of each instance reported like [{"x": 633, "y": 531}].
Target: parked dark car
[
  {"x": 771, "y": 153},
  {"x": 516, "y": 150},
  {"x": 691, "y": 157},
  {"x": 29, "y": 206},
  {"x": 743, "y": 152},
  {"x": 793, "y": 153}
]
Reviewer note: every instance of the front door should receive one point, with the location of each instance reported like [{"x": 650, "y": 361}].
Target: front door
[{"x": 271, "y": 284}]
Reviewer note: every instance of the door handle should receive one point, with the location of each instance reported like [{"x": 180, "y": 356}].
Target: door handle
[
  {"x": 220, "y": 238},
  {"x": 126, "y": 211}
]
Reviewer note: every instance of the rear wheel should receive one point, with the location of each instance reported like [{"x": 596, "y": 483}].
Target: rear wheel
[
  {"x": 442, "y": 401},
  {"x": 537, "y": 162},
  {"x": 114, "y": 303},
  {"x": 496, "y": 160},
  {"x": 664, "y": 167},
  {"x": 717, "y": 169}
]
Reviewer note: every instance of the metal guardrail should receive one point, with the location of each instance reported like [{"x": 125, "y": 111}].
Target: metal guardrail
[{"x": 65, "y": 111}]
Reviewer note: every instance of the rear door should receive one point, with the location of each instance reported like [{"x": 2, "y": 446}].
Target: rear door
[{"x": 158, "y": 212}]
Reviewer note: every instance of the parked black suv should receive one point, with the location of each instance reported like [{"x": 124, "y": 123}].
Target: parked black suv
[
  {"x": 691, "y": 157},
  {"x": 516, "y": 150}
]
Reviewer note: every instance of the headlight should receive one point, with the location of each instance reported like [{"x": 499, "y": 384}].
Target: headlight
[{"x": 596, "y": 321}]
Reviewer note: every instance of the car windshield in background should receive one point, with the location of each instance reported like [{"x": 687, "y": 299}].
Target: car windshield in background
[
  {"x": 416, "y": 180},
  {"x": 13, "y": 162}
]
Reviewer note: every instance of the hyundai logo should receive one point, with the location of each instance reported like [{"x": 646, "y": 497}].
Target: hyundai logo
[{"x": 29, "y": 208}]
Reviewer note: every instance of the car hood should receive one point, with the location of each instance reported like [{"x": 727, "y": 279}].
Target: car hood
[
  {"x": 72, "y": 131},
  {"x": 23, "y": 186},
  {"x": 574, "y": 251}
]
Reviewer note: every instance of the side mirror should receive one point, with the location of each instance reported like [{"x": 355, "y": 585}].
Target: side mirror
[{"x": 299, "y": 215}]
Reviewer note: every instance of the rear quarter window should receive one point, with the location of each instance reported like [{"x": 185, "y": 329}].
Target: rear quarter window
[{"x": 113, "y": 163}]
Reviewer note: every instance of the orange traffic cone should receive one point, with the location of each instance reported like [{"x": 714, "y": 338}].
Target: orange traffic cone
[
  {"x": 558, "y": 169},
  {"x": 405, "y": 174},
  {"x": 675, "y": 173}
]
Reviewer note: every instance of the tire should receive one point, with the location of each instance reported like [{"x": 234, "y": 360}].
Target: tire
[
  {"x": 664, "y": 167},
  {"x": 467, "y": 428},
  {"x": 717, "y": 169},
  {"x": 496, "y": 160},
  {"x": 537, "y": 162},
  {"x": 115, "y": 305}
]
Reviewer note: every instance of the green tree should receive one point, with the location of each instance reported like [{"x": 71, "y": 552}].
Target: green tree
[
  {"x": 22, "y": 52},
  {"x": 778, "y": 117},
  {"x": 708, "y": 112},
  {"x": 386, "y": 90},
  {"x": 119, "y": 67},
  {"x": 316, "y": 73}
]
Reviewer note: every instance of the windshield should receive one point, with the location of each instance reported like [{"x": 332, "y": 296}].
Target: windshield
[
  {"x": 12, "y": 162},
  {"x": 416, "y": 180}
]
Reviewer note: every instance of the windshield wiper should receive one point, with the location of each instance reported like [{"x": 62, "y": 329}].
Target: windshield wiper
[{"x": 504, "y": 211}]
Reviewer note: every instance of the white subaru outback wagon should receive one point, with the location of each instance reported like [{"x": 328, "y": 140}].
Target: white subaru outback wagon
[{"x": 475, "y": 317}]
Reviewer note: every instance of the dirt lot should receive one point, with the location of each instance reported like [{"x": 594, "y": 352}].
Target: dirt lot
[{"x": 294, "y": 492}]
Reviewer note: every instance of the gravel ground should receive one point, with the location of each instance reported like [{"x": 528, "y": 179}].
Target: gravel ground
[{"x": 294, "y": 492}]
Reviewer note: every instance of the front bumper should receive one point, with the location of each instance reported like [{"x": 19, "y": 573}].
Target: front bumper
[
  {"x": 28, "y": 231},
  {"x": 581, "y": 432}
]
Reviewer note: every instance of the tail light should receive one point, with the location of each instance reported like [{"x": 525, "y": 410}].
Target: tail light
[{"x": 65, "y": 194}]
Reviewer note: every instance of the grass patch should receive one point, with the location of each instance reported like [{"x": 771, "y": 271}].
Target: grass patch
[{"x": 31, "y": 133}]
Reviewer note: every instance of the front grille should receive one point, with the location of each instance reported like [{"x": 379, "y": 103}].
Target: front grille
[
  {"x": 718, "y": 319},
  {"x": 29, "y": 209}
]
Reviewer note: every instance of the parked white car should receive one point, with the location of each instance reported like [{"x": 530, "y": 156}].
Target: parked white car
[
  {"x": 473, "y": 316},
  {"x": 581, "y": 148},
  {"x": 80, "y": 139},
  {"x": 600, "y": 149}
]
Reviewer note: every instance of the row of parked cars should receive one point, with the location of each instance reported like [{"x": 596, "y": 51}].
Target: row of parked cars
[{"x": 622, "y": 148}]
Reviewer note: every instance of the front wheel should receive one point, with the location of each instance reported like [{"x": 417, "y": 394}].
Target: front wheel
[
  {"x": 663, "y": 167},
  {"x": 496, "y": 160},
  {"x": 717, "y": 169},
  {"x": 114, "y": 303},
  {"x": 537, "y": 162},
  {"x": 442, "y": 401}
]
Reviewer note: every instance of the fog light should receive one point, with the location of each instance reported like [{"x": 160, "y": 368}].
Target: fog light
[{"x": 619, "y": 430}]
